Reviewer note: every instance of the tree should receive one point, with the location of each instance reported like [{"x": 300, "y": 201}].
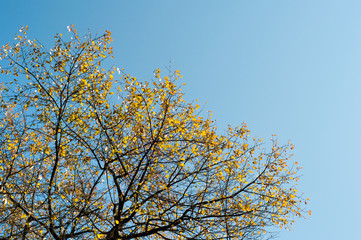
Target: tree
[{"x": 85, "y": 154}]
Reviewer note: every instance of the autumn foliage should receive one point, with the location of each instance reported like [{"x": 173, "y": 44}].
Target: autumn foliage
[{"x": 90, "y": 153}]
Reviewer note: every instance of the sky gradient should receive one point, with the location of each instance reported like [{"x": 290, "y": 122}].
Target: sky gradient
[{"x": 290, "y": 68}]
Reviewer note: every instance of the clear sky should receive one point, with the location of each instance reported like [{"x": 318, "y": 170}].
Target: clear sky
[{"x": 292, "y": 68}]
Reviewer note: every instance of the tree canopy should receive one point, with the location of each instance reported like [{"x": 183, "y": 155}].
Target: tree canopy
[{"x": 93, "y": 153}]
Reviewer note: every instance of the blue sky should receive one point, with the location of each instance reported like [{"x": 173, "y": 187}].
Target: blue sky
[{"x": 287, "y": 67}]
